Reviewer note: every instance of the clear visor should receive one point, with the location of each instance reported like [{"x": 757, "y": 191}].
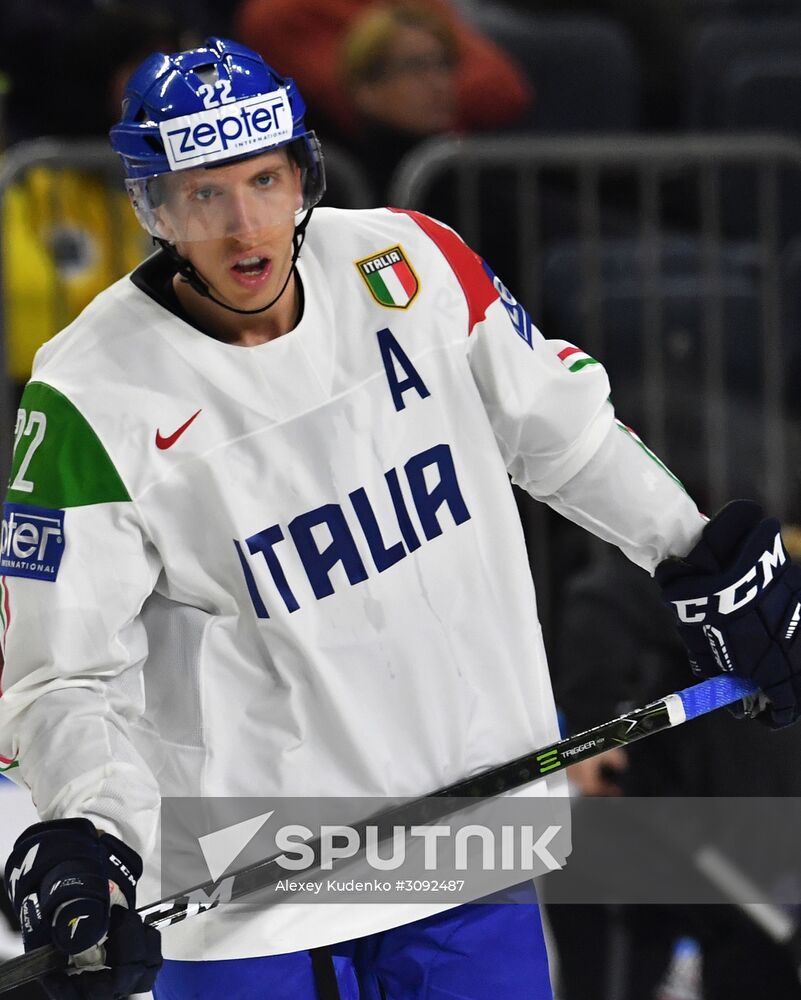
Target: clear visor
[{"x": 244, "y": 198}]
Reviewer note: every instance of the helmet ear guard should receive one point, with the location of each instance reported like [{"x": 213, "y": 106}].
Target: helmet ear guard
[{"x": 308, "y": 154}]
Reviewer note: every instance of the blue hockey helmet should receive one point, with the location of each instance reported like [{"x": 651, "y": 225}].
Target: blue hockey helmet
[{"x": 206, "y": 107}]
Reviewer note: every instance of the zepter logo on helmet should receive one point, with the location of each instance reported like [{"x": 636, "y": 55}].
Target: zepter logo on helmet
[{"x": 188, "y": 117}]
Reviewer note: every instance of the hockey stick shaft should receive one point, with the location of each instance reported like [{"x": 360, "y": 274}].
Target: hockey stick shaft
[{"x": 666, "y": 713}]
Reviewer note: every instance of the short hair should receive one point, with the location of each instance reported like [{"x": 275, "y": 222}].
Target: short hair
[{"x": 366, "y": 45}]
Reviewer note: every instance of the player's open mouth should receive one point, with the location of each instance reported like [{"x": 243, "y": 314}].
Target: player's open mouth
[
  {"x": 251, "y": 266},
  {"x": 252, "y": 270}
]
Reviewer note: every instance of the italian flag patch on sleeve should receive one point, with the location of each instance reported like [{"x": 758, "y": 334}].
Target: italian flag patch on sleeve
[{"x": 574, "y": 359}]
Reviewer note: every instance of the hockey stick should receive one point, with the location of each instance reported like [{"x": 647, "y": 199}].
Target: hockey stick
[{"x": 666, "y": 713}]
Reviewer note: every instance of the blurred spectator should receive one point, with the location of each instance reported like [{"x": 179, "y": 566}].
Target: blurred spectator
[
  {"x": 399, "y": 67},
  {"x": 304, "y": 37}
]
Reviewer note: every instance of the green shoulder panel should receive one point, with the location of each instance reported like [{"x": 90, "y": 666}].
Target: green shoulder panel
[{"x": 58, "y": 459}]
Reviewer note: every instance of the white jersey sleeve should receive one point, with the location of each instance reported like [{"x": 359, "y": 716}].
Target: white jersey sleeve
[
  {"x": 554, "y": 423},
  {"x": 76, "y": 567},
  {"x": 626, "y": 496}
]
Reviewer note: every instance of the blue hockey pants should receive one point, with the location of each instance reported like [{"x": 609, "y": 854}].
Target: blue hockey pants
[{"x": 479, "y": 951}]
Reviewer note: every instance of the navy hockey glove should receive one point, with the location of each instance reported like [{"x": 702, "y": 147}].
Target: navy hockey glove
[
  {"x": 737, "y": 600},
  {"x": 76, "y": 889}
]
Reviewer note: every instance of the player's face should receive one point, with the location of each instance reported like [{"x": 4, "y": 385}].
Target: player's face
[
  {"x": 235, "y": 224},
  {"x": 416, "y": 92}
]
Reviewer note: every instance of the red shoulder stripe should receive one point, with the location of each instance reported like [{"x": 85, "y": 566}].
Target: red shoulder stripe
[{"x": 465, "y": 264}]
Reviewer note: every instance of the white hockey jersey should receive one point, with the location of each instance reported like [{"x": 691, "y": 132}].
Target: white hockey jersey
[{"x": 297, "y": 568}]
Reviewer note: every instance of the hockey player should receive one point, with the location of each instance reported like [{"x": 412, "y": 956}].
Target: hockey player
[{"x": 259, "y": 540}]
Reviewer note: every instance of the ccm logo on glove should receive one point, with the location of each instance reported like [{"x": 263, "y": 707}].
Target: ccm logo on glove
[
  {"x": 737, "y": 599},
  {"x": 732, "y": 598},
  {"x": 74, "y": 887}
]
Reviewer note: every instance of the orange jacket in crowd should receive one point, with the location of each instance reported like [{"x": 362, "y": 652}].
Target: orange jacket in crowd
[{"x": 301, "y": 39}]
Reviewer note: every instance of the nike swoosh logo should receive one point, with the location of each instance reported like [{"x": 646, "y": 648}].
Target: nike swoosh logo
[{"x": 167, "y": 442}]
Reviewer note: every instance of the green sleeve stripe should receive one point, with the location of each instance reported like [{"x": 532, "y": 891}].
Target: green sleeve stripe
[
  {"x": 582, "y": 364},
  {"x": 59, "y": 460}
]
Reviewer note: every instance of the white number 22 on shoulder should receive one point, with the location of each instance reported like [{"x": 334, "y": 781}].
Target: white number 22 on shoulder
[{"x": 29, "y": 425}]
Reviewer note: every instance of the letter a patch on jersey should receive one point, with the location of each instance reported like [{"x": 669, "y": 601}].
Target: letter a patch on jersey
[{"x": 390, "y": 277}]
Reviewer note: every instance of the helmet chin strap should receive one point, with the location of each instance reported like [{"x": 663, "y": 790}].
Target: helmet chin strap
[{"x": 195, "y": 280}]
